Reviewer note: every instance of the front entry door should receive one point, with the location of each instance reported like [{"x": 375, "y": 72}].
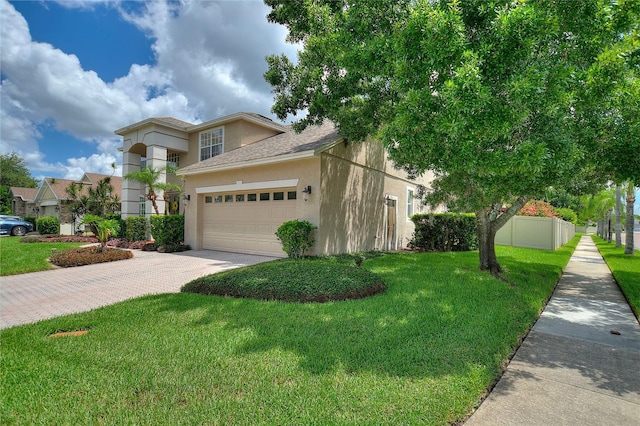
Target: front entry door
[{"x": 390, "y": 243}]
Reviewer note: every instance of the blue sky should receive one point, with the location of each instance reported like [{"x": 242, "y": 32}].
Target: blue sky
[{"x": 75, "y": 71}]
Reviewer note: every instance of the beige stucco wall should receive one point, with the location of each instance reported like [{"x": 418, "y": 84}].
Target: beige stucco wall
[
  {"x": 349, "y": 185},
  {"x": 236, "y": 134},
  {"x": 356, "y": 179},
  {"x": 154, "y": 134},
  {"x": 241, "y": 133},
  {"x": 307, "y": 171}
]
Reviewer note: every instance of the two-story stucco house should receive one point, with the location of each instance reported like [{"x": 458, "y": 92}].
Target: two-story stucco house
[{"x": 243, "y": 175}]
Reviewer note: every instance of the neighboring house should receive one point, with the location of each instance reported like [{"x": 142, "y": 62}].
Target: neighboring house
[
  {"x": 244, "y": 175},
  {"x": 22, "y": 200},
  {"x": 52, "y": 199}
]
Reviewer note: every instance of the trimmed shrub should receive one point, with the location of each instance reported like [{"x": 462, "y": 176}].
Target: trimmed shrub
[
  {"x": 313, "y": 280},
  {"x": 122, "y": 225},
  {"x": 87, "y": 256},
  {"x": 172, "y": 248},
  {"x": 136, "y": 228},
  {"x": 167, "y": 231},
  {"x": 568, "y": 215},
  {"x": 296, "y": 238},
  {"x": 444, "y": 232},
  {"x": 48, "y": 225}
]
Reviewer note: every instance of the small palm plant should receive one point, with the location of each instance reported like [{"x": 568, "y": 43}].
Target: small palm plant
[
  {"x": 103, "y": 228},
  {"x": 151, "y": 178}
]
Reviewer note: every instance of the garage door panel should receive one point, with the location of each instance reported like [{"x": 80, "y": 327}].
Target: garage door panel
[{"x": 246, "y": 227}]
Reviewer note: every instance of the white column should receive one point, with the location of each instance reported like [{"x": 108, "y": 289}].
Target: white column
[
  {"x": 157, "y": 159},
  {"x": 130, "y": 189}
]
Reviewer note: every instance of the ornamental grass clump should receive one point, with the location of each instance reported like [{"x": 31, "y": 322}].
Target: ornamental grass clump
[{"x": 87, "y": 256}]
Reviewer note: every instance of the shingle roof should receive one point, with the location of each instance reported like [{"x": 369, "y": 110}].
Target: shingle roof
[
  {"x": 174, "y": 122},
  {"x": 283, "y": 144},
  {"x": 27, "y": 194},
  {"x": 189, "y": 127},
  {"x": 59, "y": 186},
  {"x": 116, "y": 182}
]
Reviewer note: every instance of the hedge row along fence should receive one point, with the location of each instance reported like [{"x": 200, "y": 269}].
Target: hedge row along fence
[{"x": 444, "y": 232}]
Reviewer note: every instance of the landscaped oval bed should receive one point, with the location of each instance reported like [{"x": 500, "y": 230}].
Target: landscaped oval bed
[
  {"x": 87, "y": 256},
  {"x": 291, "y": 280}
]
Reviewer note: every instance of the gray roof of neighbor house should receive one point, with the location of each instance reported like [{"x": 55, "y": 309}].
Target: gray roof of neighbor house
[
  {"x": 287, "y": 145},
  {"x": 27, "y": 194}
]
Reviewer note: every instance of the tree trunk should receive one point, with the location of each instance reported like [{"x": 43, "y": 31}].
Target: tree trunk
[
  {"x": 152, "y": 197},
  {"x": 486, "y": 244},
  {"x": 489, "y": 221},
  {"x": 629, "y": 228},
  {"x": 618, "y": 216}
]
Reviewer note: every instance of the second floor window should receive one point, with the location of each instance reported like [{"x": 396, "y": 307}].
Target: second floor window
[
  {"x": 173, "y": 159},
  {"x": 211, "y": 143}
]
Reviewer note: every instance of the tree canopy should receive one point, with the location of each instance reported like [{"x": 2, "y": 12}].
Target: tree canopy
[
  {"x": 486, "y": 94},
  {"x": 13, "y": 172},
  {"x": 615, "y": 84}
]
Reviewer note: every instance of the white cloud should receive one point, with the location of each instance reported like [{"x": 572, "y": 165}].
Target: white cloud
[
  {"x": 215, "y": 52},
  {"x": 210, "y": 62}
]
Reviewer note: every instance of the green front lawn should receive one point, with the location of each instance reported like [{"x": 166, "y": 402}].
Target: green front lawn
[
  {"x": 625, "y": 269},
  {"x": 423, "y": 352},
  {"x": 20, "y": 258}
]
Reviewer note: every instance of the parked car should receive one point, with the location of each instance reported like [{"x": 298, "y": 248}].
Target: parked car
[{"x": 14, "y": 225}]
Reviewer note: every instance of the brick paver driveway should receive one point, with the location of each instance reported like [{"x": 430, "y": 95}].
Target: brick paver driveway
[{"x": 36, "y": 296}]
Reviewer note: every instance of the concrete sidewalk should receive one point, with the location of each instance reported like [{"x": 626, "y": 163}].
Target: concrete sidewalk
[
  {"x": 36, "y": 296},
  {"x": 580, "y": 364}
]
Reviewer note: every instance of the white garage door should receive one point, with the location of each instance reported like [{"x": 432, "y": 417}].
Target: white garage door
[{"x": 246, "y": 222}]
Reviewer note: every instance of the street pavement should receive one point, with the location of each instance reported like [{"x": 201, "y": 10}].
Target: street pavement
[
  {"x": 580, "y": 364},
  {"x": 32, "y": 297}
]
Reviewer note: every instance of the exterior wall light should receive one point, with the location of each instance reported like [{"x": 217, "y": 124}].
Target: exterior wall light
[
  {"x": 306, "y": 192},
  {"x": 186, "y": 197}
]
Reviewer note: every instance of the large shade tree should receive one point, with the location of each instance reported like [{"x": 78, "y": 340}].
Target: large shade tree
[
  {"x": 615, "y": 86},
  {"x": 486, "y": 94},
  {"x": 13, "y": 172}
]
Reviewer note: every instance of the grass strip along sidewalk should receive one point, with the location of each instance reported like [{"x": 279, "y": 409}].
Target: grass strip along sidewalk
[
  {"x": 423, "y": 352},
  {"x": 625, "y": 269}
]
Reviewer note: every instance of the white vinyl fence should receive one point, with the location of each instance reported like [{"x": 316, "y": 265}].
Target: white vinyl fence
[{"x": 547, "y": 233}]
